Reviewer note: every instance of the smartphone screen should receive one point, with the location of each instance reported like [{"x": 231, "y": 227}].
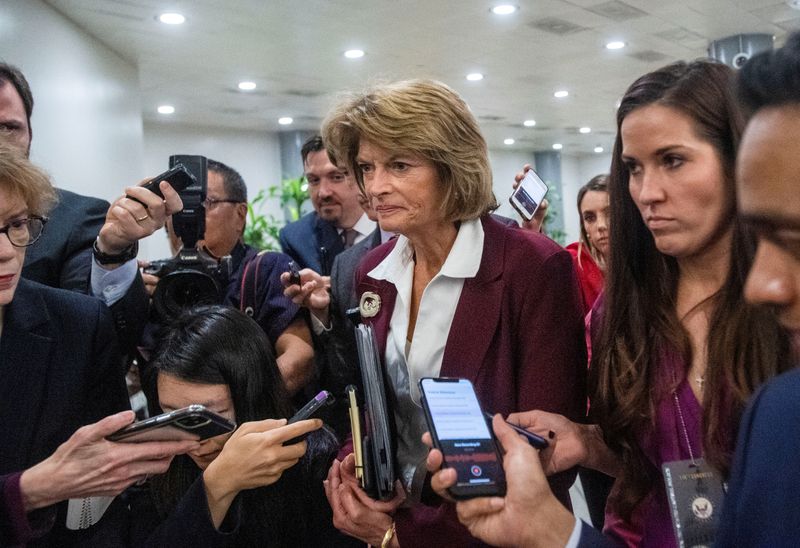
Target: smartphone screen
[
  {"x": 460, "y": 432},
  {"x": 528, "y": 195}
]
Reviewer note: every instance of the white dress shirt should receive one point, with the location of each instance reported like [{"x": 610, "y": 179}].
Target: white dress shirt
[{"x": 407, "y": 362}]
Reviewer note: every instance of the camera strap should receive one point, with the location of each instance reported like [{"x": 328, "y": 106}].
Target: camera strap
[{"x": 248, "y": 292}]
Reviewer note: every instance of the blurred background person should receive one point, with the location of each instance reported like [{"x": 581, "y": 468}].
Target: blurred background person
[
  {"x": 590, "y": 252},
  {"x": 245, "y": 488},
  {"x": 338, "y": 220},
  {"x": 457, "y": 294}
]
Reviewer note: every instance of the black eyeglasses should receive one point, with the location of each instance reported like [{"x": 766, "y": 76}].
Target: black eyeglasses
[
  {"x": 211, "y": 203},
  {"x": 24, "y": 232}
]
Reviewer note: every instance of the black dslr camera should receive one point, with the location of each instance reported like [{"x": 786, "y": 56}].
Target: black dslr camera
[{"x": 193, "y": 276}]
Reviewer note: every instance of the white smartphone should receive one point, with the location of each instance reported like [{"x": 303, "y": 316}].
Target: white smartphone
[{"x": 528, "y": 195}]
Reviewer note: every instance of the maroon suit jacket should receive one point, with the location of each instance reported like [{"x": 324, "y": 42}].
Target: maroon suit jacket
[{"x": 517, "y": 335}]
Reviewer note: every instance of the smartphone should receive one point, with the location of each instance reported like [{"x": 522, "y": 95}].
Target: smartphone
[
  {"x": 309, "y": 411},
  {"x": 190, "y": 423},
  {"x": 459, "y": 430},
  {"x": 528, "y": 195},
  {"x": 534, "y": 440},
  {"x": 178, "y": 178},
  {"x": 294, "y": 274},
  {"x": 355, "y": 430}
]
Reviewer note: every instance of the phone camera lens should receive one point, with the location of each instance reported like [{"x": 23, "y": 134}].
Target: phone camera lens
[{"x": 193, "y": 422}]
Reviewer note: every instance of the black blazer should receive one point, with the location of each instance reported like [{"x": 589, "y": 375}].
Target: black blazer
[
  {"x": 60, "y": 370},
  {"x": 62, "y": 257},
  {"x": 302, "y": 240}
]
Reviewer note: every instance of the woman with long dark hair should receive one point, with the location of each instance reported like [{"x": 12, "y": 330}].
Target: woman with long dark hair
[
  {"x": 676, "y": 350},
  {"x": 244, "y": 489}
]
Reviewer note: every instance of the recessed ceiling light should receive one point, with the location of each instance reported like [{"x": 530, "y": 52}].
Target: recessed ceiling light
[
  {"x": 557, "y": 146},
  {"x": 615, "y": 45},
  {"x": 504, "y": 9},
  {"x": 354, "y": 53},
  {"x": 529, "y": 123},
  {"x": 585, "y": 129},
  {"x": 474, "y": 76},
  {"x": 508, "y": 141},
  {"x": 285, "y": 121},
  {"x": 598, "y": 149},
  {"x": 794, "y": 4},
  {"x": 247, "y": 86},
  {"x": 166, "y": 109},
  {"x": 172, "y": 18},
  {"x": 560, "y": 94}
]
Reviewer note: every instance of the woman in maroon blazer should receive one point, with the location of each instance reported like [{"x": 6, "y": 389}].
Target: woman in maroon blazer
[{"x": 456, "y": 294}]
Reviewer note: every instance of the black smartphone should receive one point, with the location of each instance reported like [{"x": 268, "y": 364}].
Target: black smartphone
[
  {"x": 459, "y": 430},
  {"x": 309, "y": 411},
  {"x": 190, "y": 423},
  {"x": 294, "y": 274},
  {"x": 534, "y": 440},
  {"x": 177, "y": 176},
  {"x": 528, "y": 195}
]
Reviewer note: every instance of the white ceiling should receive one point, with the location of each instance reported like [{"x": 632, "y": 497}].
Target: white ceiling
[{"x": 293, "y": 51}]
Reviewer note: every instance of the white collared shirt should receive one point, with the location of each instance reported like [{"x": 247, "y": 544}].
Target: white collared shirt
[
  {"x": 438, "y": 304},
  {"x": 422, "y": 357},
  {"x": 363, "y": 227}
]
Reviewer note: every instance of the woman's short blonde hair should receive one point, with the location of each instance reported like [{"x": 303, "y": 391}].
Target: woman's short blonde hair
[
  {"x": 425, "y": 118},
  {"x": 19, "y": 177}
]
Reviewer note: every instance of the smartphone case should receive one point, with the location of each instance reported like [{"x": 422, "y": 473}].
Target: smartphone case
[{"x": 190, "y": 423}]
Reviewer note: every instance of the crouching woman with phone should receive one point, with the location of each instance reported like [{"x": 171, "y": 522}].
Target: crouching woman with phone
[{"x": 244, "y": 488}]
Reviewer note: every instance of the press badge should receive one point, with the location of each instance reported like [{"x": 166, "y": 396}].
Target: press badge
[{"x": 695, "y": 493}]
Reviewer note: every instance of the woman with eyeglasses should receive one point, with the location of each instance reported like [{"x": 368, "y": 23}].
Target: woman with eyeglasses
[{"x": 60, "y": 371}]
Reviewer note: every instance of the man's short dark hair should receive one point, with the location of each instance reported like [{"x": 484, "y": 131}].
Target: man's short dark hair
[
  {"x": 772, "y": 78},
  {"x": 314, "y": 144},
  {"x": 14, "y": 76},
  {"x": 232, "y": 182}
]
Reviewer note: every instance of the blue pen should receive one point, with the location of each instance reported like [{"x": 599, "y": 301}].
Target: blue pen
[{"x": 535, "y": 440}]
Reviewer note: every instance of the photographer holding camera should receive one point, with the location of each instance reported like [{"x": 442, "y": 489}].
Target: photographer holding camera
[{"x": 210, "y": 266}]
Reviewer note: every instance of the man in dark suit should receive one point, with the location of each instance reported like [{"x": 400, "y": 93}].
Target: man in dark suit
[
  {"x": 63, "y": 255},
  {"x": 337, "y": 221}
]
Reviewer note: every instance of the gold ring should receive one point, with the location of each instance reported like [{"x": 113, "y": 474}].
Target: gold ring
[{"x": 146, "y": 216}]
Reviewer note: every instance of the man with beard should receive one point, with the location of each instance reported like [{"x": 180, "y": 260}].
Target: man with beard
[{"x": 337, "y": 222}]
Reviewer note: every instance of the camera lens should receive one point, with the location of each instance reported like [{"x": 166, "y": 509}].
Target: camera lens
[
  {"x": 182, "y": 289},
  {"x": 193, "y": 422}
]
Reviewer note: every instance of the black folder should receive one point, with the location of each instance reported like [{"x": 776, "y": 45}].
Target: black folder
[{"x": 378, "y": 441}]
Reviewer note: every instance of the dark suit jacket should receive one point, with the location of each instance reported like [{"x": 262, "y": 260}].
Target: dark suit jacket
[
  {"x": 62, "y": 255},
  {"x": 335, "y": 352},
  {"x": 761, "y": 507},
  {"x": 302, "y": 240},
  {"x": 517, "y": 335},
  {"x": 60, "y": 370}
]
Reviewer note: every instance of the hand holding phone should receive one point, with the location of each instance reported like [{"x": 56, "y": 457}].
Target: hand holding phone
[
  {"x": 190, "y": 423},
  {"x": 528, "y": 195},
  {"x": 459, "y": 430},
  {"x": 177, "y": 177},
  {"x": 294, "y": 274},
  {"x": 309, "y": 411}
]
